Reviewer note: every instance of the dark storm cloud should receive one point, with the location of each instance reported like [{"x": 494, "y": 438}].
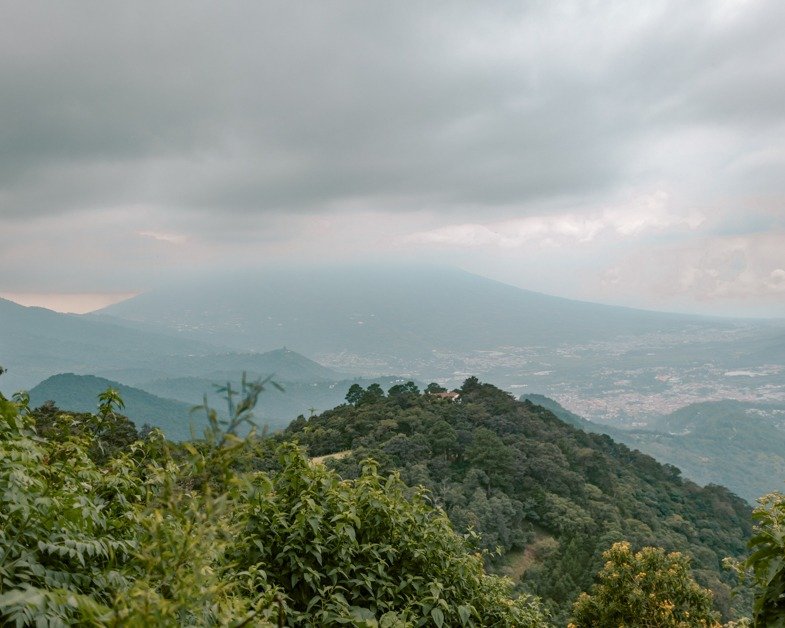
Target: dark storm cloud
[{"x": 197, "y": 107}]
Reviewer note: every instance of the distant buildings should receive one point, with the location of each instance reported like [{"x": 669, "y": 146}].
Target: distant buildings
[{"x": 450, "y": 395}]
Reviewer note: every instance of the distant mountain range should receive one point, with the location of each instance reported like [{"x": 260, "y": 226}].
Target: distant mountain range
[
  {"x": 624, "y": 366},
  {"x": 446, "y": 324},
  {"x": 400, "y": 311},
  {"x": 36, "y": 343},
  {"x": 736, "y": 444}
]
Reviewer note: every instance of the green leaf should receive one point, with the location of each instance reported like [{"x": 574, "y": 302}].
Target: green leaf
[{"x": 362, "y": 614}]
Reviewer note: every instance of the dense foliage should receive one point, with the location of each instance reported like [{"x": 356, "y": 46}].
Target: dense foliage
[
  {"x": 767, "y": 561},
  {"x": 103, "y": 525},
  {"x": 148, "y": 533},
  {"x": 740, "y": 445},
  {"x": 647, "y": 586},
  {"x": 550, "y": 497}
]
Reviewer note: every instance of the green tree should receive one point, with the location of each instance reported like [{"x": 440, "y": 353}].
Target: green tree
[
  {"x": 170, "y": 535},
  {"x": 433, "y": 388},
  {"x": 443, "y": 438},
  {"x": 470, "y": 384},
  {"x": 646, "y": 589},
  {"x": 373, "y": 393},
  {"x": 411, "y": 388},
  {"x": 767, "y": 561},
  {"x": 359, "y": 551},
  {"x": 108, "y": 434},
  {"x": 489, "y": 453},
  {"x": 355, "y": 394},
  {"x": 110, "y": 403},
  {"x": 405, "y": 395}
]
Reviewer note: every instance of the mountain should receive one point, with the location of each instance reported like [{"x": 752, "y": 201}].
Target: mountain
[
  {"x": 736, "y": 444},
  {"x": 549, "y": 496},
  {"x": 407, "y": 310},
  {"x": 570, "y": 418},
  {"x": 431, "y": 323},
  {"x": 36, "y": 343},
  {"x": 168, "y": 403},
  {"x": 79, "y": 393},
  {"x": 282, "y": 364}
]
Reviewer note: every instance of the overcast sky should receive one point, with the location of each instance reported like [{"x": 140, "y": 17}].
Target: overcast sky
[{"x": 621, "y": 152}]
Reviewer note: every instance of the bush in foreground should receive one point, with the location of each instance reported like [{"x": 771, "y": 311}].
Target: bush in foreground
[{"x": 647, "y": 588}]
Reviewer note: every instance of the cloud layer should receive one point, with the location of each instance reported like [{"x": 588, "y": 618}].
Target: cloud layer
[{"x": 150, "y": 135}]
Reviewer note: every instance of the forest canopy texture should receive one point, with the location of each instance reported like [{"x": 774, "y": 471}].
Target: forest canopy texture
[
  {"x": 161, "y": 535},
  {"x": 394, "y": 509}
]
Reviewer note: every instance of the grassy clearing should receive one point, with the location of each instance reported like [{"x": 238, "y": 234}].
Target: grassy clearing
[
  {"x": 336, "y": 456},
  {"x": 516, "y": 563}
]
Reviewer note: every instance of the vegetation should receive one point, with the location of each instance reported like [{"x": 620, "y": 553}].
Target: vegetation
[
  {"x": 78, "y": 393},
  {"x": 739, "y": 445},
  {"x": 767, "y": 561},
  {"x": 546, "y": 498},
  {"x": 103, "y": 525},
  {"x": 165, "y": 403},
  {"x": 152, "y": 533},
  {"x": 648, "y": 584}
]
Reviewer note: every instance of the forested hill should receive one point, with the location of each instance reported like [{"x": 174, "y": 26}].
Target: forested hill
[
  {"x": 550, "y": 496},
  {"x": 78, "y": 393},
  {"x": 738, "y": 444}
]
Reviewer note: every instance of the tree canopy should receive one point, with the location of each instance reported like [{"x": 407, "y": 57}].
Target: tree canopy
[
  {"x": 103, "y": 525},
  {"x": 547, "y": 499},
  {"x": 160, "y": 534},
  {"x": 647, "y": 588}
]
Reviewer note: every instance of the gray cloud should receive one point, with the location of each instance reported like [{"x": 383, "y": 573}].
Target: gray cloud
[
  {"x": 144, "y": 136},
  {"x": 316, "y": 107}
]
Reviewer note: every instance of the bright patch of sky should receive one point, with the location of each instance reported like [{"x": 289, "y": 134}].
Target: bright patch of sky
[{"x": 76, "y": 303}]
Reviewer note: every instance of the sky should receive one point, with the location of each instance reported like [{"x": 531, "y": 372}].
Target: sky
[{"x": 619, "y": 152}]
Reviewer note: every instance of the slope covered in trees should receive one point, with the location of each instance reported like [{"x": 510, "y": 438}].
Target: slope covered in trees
[
  {"x": 155, "y": 534},
  {"x": 551, "y": 497},
  {"x": 78, "y": 393},
  {"x": 100, "y": 524},
  {"x": 737, "y": 444}
]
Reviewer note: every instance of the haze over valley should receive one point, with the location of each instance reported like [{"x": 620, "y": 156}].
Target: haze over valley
[{"x": 615, "y": 365}]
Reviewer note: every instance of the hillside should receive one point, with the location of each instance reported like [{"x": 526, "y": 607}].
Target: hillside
[
  {"x": 569, "y": 417},
  {"x": 79, "y": 393},
  {"x": 282, "y": 364},
  {"x": 739, "y": 445},
  {"x": 735, "y": 444},
  {"x": 167, "y": 403},
  {"x": 36, "y": 343},
  {"x": 101, "y": 528},
  {"x": 550, "y": 496}
]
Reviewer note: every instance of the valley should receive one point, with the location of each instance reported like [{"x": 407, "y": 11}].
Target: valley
[
  {"x": 693, "y": 404},
  {"x": 614, "y": 365}
]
